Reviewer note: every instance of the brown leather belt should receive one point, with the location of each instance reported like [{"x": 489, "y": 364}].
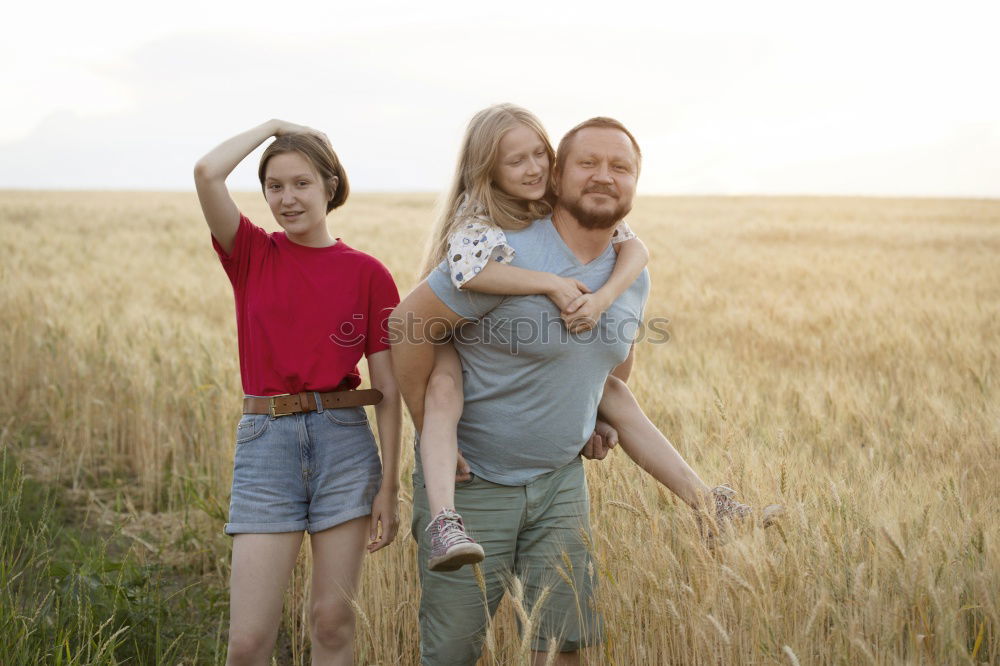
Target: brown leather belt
[{"x": 295, "y": 403}]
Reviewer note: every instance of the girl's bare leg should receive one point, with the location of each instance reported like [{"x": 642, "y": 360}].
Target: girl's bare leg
[
  {"x": 262, "y": 566},
  {"x": 337, "y": 556},
  {"x": 439, "y": 437},
  {"x": 647, "y": 446}
]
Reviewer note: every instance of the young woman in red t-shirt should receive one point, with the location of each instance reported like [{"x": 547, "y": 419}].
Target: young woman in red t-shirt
[{"x": 308, "y": 307}]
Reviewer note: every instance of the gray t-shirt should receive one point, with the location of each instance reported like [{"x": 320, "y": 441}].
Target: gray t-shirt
[{"x": 532, "y": 388}]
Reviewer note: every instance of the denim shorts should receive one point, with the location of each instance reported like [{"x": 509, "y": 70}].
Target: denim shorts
[{"x": 307, "y": 471}]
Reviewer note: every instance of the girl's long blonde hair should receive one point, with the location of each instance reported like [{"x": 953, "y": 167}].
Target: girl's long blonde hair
[{"x": 473, "y": 181}]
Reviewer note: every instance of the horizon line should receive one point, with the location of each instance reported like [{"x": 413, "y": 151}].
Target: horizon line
[{"x": 693, "y": 195}]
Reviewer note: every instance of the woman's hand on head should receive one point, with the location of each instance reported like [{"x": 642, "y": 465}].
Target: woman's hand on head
[{"x": 283, "y": 127}]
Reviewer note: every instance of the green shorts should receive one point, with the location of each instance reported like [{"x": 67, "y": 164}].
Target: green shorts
[{"x": 540, "y": 533}]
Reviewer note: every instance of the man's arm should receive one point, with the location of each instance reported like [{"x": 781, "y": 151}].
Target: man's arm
[
  {"x": 418, "y": 322},
  {"x": 605, "y": 437},
  {"x": 624, "y": 369}
]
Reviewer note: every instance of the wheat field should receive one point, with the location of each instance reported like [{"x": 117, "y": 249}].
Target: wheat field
[{"x": 836, "y": 355}]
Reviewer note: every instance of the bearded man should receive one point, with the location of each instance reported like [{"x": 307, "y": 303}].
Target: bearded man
[{"x": 530, "y": 407}]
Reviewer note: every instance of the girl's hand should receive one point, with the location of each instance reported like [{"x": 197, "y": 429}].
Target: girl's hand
[
  {"x": 584, "y": 312},
  {"x": 385, "y": 519},
  {"x": 563, "y": 291}
]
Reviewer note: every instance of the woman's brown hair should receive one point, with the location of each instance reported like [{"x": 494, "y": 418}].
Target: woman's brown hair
[{"x": 320, "y": 155}]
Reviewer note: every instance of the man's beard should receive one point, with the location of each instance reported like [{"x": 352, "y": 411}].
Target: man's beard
[{"x": 598, "y": 219}]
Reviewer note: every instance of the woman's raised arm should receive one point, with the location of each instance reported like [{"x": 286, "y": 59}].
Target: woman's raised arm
[{"x": 211, "y": 171}]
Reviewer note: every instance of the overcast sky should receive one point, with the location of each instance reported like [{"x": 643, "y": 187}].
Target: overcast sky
[{"x": 886, "y": 98}]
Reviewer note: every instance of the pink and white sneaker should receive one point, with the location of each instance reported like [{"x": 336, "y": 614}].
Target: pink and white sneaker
[
  {"x": 451, "y": 547},
  {"x": 726, "y": 513}
]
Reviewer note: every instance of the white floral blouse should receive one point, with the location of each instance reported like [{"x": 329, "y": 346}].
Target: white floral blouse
[{"x": 479, "y": 241}]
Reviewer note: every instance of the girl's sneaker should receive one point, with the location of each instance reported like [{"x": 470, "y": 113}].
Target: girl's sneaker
[
  {"x": 727, "y": 513},
  {"x": 451, "y": 547}
]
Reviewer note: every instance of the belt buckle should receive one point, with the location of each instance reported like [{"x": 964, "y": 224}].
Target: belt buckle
[{"x": 270, "y": 401}]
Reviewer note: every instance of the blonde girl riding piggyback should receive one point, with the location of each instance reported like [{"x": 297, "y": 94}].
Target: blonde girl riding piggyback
[
  {"x": 503, "y": 182},
  {"x": 305, "y": 459}
]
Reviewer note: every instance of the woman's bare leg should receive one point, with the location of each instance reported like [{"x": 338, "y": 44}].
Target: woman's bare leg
[
  {"x": 337, "y": 556},
  {"x": 262, "y": 566}
]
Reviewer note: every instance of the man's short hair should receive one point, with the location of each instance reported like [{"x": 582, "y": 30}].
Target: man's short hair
[{"x": 600, "y": 122}]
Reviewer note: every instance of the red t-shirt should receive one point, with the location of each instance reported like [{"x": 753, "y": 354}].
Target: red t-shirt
[{"x": 305, "y": 315}]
